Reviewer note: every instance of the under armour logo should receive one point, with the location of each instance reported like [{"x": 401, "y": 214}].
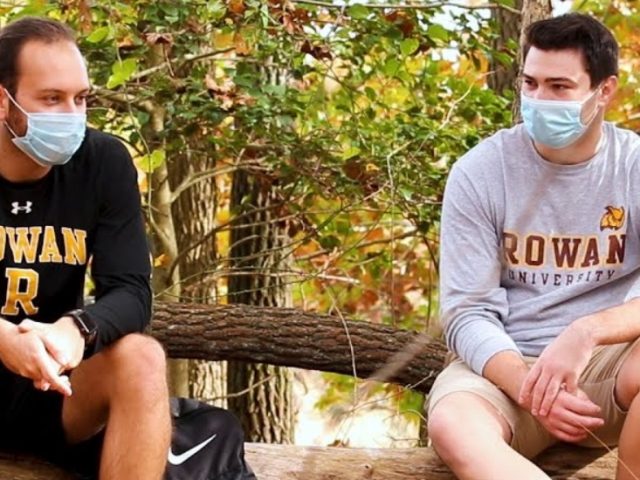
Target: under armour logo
[{"x": 16, "y": 208}]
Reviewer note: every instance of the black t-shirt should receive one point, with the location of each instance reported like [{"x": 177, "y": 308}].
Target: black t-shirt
[{"x": 84, "y": 212}]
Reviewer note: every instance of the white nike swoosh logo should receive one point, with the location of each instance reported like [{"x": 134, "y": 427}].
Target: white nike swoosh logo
[{"x": 183, "y": 457}]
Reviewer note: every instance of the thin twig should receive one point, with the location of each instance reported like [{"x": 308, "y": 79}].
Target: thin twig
[
  {"x": 428, "y": 6},
  {"x": 400, "y": 359},
  {"x": 187, "y": 59},
  {"x": 251, "y": 387},
  {"x": 610, "y": 451}
]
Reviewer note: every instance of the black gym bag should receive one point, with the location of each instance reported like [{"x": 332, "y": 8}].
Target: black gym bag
[{"x": 207, "y": 443}]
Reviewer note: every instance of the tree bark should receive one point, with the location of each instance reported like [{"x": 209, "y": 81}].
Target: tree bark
[
  {"x": 271, "y": 462},
  {"x": 286, "y": 462},
  {"x": 260, "y": 395},
  {"x": 163, "y": 231},
  {"x": 532, "y": 11},
  {"x": 503, "y": 77},
  {"x": 196, "y": 207},
  {"x": 295, "y": 338}
]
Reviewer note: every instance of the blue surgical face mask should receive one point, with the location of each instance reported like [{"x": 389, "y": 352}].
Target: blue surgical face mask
[
  {"x": 51, "y": 138},
  {"x": 554, "y": 123}
]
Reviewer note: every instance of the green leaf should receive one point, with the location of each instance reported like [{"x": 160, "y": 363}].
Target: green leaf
[
  {"x": 359, "y": 12},
  {"x": 149, "y": 163},
  {"x": 329, "y": 242},
  {"x": 409, "y": 46},
  {"x": 350, "y": 152},
  {"x": 406, "y": 77},
  {"x": 99, "y": 34},
  {"x": 370, "y": 93},
  {"x": 503, "y": 58},
  {"x": 343, "y": 226},
  {"x": 122, "y": 72},
  {"x": 406, "y": 193},
  {"x": 391, "y": 67},
  {"x": 438, "y": 32}
]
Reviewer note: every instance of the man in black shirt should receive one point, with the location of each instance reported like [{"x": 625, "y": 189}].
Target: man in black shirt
[{"x": 69, "y": 198}]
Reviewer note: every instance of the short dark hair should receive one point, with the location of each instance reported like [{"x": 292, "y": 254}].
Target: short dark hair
[
  {"x": 579, "y": 32},
  {"x": 16, "y": 34}
]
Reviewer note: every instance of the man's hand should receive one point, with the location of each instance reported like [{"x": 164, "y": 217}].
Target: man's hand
[
  {"x": 25, "y": 354},
  {"x": 571, "y": 417},
  {"x": 558, "y": 367},
  {"x": 62, "y": 340}
]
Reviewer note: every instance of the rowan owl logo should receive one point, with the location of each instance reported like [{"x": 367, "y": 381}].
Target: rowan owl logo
[{"x": 613, "y": 218}]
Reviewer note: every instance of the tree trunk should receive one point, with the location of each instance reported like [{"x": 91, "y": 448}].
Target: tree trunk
[
  {"x": 504, "y": 77},
  {"x": 163, "y": 232},
  {"x": 532, "y": 11},
  {"x": 163, "y": 241},
  {"x": 196, "y": 207},
  {"x": 259, "y": 394}
]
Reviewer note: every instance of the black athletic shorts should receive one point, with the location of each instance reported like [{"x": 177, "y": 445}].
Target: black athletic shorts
[{"x": 31, "y": 422}]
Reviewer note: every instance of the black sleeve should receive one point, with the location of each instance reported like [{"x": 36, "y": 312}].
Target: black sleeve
[{"x": 121, "y": 264}]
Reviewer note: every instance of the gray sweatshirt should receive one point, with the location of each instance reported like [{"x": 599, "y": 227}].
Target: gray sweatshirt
[{"x": 528, "y": 246}]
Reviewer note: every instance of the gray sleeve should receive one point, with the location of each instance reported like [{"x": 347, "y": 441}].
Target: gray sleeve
[
  {"x": 473, "y": 304},
  {"x": 634, "y": 291}
]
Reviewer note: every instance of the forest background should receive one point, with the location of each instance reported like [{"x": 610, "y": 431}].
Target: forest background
[{"x": 294, "y": 153}]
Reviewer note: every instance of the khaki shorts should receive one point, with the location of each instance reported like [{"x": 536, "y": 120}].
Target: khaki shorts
[{"x": 529, "y": 436}]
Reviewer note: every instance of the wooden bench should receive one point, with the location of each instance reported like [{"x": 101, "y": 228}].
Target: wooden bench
[{"x": 290, "y": 337}]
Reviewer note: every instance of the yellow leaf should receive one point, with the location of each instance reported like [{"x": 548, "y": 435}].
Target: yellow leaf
[
  {"x": 241, "y": 45},
  {"x": 161, "y": 261},
  {"x": 222, "y": 217},
  {"x": 223, "y": 40},
  {"x": 236, "y": 6}
]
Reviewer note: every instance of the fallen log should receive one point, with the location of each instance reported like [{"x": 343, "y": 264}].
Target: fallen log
[
  {"x": 24, "y": 467},
  {"x": 290, "y": 337},
  {"x": 288, "y": 462},
  {"x": 294, "y": 338}
]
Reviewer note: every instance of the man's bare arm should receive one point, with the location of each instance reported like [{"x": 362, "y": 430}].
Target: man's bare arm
[
  {"x": 572, "y": 415},
  {"x": 564, "y": 360}
]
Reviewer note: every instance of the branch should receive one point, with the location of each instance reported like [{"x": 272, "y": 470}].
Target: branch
[
  {"x": 187, "y": 59},
  {"x": 191, "y": 180},
  {"x": 126, "y": 99},
  {"x": 292, "y": 337},
  {"x": 217, "y": 229},
  {"x": 319, "y": 253},
  {"x": 428, "y": 6}
]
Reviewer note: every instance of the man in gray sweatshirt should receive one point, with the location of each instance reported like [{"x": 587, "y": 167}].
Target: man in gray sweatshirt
[{"x": 540, "y": 270}]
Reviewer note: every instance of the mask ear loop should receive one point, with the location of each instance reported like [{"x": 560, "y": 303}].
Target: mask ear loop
[
  {"x": 595, "y": 111},
  {"x": 14, "y": 102},
  {"x": 11, "y": 131},
  {"x": 6, "y": 124}
]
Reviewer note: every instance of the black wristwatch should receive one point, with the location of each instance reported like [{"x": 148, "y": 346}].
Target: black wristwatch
[{"x": 88, "y": 328}]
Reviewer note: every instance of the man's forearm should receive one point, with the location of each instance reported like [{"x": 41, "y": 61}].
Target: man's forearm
[
  {"x": 618, "y": 324},
  {"x": 507, "y": 370}
]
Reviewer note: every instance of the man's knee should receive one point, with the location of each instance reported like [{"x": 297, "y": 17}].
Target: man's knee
[
  {"x": 461, "y": 421},
  {"x": 442, "y": 427},
  {"x": 628, "y": 380},
  {"x": 138, "y": 359}
]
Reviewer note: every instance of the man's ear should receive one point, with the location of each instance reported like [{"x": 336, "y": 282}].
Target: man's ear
[
  {"x": 609, "y": 88},
  {"x": 4, "y": 104}
]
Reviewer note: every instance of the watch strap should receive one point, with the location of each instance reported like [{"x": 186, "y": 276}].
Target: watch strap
[{"x": 88, "y": 328}]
